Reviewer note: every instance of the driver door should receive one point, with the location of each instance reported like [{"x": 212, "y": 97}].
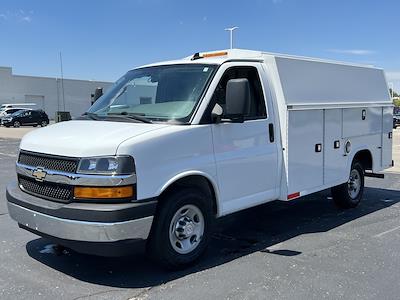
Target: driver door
[{"x": 245, "y": 153}]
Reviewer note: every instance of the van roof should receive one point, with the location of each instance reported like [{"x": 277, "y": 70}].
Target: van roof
[{"x": 220, "y": 56}]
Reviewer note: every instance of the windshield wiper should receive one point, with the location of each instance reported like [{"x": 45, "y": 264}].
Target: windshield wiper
[
  {"x": 131, "y": 116},
  {"x": 92, "y": 116}
]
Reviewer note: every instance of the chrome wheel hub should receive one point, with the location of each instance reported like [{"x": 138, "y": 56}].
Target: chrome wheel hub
[
  {"x": 186, "y": 229},
  {"x": 354, "y": 184}
]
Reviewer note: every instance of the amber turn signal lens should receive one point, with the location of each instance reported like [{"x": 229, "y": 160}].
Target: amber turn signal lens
[{"x": 103, "y": 192}]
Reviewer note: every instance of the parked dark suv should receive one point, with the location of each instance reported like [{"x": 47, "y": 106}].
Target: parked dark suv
[
  {"x": 8, "y": 111},
  {"x": 26, "y": 117}
]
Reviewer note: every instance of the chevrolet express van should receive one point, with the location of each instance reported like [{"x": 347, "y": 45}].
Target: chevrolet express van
[{"x": 173, "y": 145}]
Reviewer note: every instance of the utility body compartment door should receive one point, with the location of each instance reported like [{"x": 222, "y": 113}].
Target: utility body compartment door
[
  {"x": 305, "y": 150},
  {"x": 387, "y": 137},
  {"x": 335, "y": 162}
]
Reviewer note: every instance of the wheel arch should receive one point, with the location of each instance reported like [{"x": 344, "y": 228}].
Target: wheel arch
[
  {"x": 364, "y": 156},
  {"x": 196, "y": 179}
]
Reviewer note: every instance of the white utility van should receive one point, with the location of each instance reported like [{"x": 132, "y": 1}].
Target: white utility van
[{"x": 173, "y": 145}]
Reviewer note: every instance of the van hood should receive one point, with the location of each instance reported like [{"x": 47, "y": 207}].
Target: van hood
[{"x": 84, "y": 138}]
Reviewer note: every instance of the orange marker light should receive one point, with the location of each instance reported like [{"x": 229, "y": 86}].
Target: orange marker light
[
  {"x": 83, "y": 192},
  {"x": 222, "y": 53}
]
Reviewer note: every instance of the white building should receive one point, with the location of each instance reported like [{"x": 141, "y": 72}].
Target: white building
[{"x": 47, "y": 93}]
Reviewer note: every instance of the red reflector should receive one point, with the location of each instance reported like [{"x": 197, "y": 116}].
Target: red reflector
[{"x": 294, "y": 195}]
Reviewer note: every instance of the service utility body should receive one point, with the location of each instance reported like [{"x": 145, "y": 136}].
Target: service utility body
[{"x": 172, "y": 146}]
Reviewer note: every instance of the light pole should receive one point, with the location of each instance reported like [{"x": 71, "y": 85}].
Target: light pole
[
  {"x": 62, "y": 80},
  {"x": 231, "y": 34}
]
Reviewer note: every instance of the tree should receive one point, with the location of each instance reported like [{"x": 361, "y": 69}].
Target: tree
[{"x": 394, "y": 93}]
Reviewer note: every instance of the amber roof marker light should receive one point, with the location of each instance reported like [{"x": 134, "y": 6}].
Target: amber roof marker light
[{"x": 211, "y": 54}]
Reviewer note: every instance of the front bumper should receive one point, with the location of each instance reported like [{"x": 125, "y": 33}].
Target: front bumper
[
  {"x": 5, "y": 122},
  {"x": 85, "y": 222}
]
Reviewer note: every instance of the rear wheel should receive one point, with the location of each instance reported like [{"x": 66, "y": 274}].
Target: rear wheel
[
  {"x": 181, "y": 228},
  {"x": 349, "y": 194},
  {"x": 43, "y": 123},
  {"x": 16, "y": 124}
]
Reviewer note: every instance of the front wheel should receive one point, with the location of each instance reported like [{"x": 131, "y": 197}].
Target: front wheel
[
  {"x": 181, "y": 228},
  {"x": 349, "y": 194}
]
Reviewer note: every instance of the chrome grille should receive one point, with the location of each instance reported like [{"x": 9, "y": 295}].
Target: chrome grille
[
  {"x": 57, "y": 163},
  {"x": 51, "y": 191}
]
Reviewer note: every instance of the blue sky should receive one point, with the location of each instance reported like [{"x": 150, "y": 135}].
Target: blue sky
[{"x": 102, "y": 39}]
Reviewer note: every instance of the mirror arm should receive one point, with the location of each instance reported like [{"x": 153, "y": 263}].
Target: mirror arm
[
  {"x": 227, "y": 119},
  {"x": 216, "y": 119},
  {"x": 235, "y": 118},
  {"x": 216, "y": 114}
]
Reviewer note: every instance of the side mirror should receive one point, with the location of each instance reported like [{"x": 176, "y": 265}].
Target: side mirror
[{"x": 237, "y": 98}]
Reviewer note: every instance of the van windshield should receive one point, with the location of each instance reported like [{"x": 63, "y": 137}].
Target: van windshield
[{"x": 160, "y": 93}]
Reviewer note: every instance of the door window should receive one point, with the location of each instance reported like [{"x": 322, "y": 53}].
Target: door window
[{"x": 256, "y": 106}]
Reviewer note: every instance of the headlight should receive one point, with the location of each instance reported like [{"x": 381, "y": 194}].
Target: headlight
[{"x": 107, "y": 165}]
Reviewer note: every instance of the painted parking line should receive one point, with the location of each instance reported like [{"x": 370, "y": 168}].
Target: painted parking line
[
  {"x": 386, "y": 232},
  {"x": 8, "y": 154}
]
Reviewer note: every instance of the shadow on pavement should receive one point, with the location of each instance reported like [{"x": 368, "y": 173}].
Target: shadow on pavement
[{"x": 237, "y": 235}]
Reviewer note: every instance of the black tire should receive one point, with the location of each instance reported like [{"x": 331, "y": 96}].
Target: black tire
[
  {"x": 16, "y": 124},
  {"x": 43, "y": 123},
  {"x": 159, "y": 244},
  {"x": 347, "y": 195},
  {"x": 35, "y": 125}
]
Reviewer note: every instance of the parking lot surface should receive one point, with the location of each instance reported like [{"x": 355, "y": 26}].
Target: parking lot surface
[
  {"x": 16, "y": 133},
  {"x": 304, "y": 249}
]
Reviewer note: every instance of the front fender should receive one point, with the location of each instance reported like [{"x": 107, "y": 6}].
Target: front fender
[{"x": 185, "y": 174}]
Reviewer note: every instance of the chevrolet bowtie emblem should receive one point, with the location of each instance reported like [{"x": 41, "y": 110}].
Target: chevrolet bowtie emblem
[{"x": 39, "y": 174}]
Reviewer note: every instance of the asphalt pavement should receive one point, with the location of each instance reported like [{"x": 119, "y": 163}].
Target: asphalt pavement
[{"x": 303, "y": 249}]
